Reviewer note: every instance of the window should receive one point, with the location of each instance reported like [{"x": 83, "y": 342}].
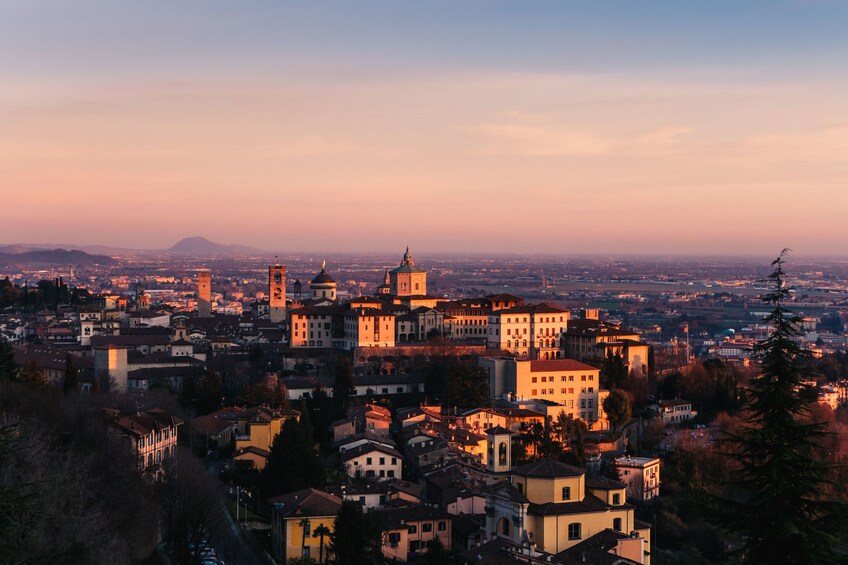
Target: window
[
  {"x": 616, "y": 524},
  {"x": 616, "y": 499},
  {"x": 413, "y": 529},
  {"x": 141, "y": 441},
  {"x": 394, "y": 539},
  {"x": 574, "y": 531},
  {"x": 533, "y": 380},
  {"x": 443, "y": 526},
  {"x": 382, "y": 460},
  {"x": 533, "y": 392},
  {"x": 427, "y": 527},
  {"x": 566, "y": 493},
  {"x": 368, "y": 461},
  {"x": 390, "y": 473},
  {"x": 307, "y": 527},
  {"x": 394, "y": 460}
]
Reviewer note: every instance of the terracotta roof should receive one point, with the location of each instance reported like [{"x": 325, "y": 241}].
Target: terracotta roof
[
  {"x": 603, "y": 483},
  {"x": 146, "y": 422},
  {"x": 590, "y": 503},
  {"x": 252, "y": 449},
  {"x": 543, "y": 308},
  {"x": 399, "y": 518},
  {"x": 548, "y": 468},
  {"x": 368, "y": 448},
  {"x": 306, "y": 502},
  {"x": 507, "y": 489},
  {"x": 552, "y": 365}
]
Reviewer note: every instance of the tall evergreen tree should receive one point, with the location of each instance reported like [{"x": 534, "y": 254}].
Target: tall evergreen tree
[
  {"x": 343, "y": 385},
  {"x": 780, "y": 510},
  {"x": 209, "y": 393},
  {"x": 352, "y": 540},
  {"x": 618, "y": 410},
  {"x": 613, "y": 371},
  {"x": 8, "y": 367},
  {"x": 71, "y": 380},
  {"x": 293, "y": 463}
]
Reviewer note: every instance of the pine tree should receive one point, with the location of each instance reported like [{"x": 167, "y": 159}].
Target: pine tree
[{"x": 780, "y": 511}]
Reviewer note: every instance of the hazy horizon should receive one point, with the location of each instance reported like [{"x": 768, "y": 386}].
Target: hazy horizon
[
  {"x": 655, "y": 128},
  {"x": 392, "y": 252}
]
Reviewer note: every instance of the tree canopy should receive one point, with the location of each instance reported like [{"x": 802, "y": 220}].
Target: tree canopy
[
  {"x": 617, "y": 408},
  {"x": 352, "y": 540}
]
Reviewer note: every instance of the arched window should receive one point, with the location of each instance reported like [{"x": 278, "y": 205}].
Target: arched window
[{"x": 502, "y": 453}]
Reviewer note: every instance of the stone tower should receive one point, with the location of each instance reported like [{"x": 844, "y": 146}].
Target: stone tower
[
  {"x": 204, "y": 293},
  {"x": 277, "y": 292}
]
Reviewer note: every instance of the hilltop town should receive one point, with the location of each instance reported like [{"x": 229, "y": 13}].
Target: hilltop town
[{"x": 469, "y": 410}]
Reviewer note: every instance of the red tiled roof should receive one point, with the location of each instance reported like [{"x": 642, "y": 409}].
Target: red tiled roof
[{"x": 553, "y": 365}]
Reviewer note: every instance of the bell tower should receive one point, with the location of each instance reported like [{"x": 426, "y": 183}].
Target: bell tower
[
  {"x": 277, "y": 292},
  {"x": 498, "y": 450}
]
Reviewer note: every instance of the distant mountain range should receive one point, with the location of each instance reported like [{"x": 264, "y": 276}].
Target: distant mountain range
[
  {"x": 30, "y": 253},
  {"x": 47, "y": 257},
  {"x": 201, "y": 246}
]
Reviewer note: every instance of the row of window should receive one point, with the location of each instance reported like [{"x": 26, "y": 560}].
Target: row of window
[
  {"x": 545, "y": 320},
  {"x": 563, "y": 378},
  {"x": 157, "y": 457},
  {"x": 149, "y": 439},
  {"x": 368, "y": 460},
  {"x": 427, "y": 527},
  {"x": 547, "y": 391}
]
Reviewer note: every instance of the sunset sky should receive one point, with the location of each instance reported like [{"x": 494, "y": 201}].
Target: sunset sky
[{"x": 559, "y": 127}]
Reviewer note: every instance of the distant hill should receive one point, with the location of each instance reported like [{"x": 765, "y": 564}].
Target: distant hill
[
  {"x": 201, "y": 246},
  {"x": 16, "y": 248},
  {"x": 47, "y": 257}
]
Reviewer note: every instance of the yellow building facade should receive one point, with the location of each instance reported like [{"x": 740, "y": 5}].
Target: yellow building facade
[{"x": 556, "y": 506}]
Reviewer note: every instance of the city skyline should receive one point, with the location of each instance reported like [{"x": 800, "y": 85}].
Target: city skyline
[{"x": 481, "y": 127}]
